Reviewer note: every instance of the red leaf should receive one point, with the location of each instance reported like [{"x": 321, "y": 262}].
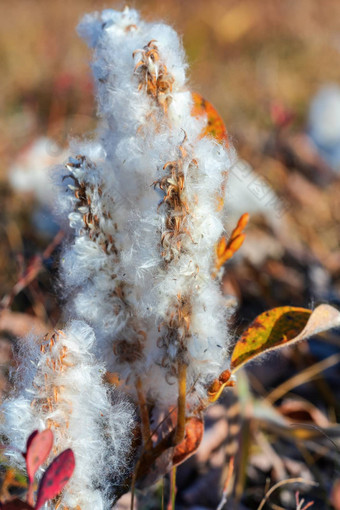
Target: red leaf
[
  {"x": 55, "y": 477},
  {"x": 29, "y": 441},
  {"x": 193, "y": 436},
  {"x": 16, "y": 504},
  {"x": 38, "y": 448}
]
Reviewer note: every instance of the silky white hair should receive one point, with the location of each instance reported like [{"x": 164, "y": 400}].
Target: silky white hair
[
  {"x": 59, "y": 385},
  {"x": 118, "y": 275}
]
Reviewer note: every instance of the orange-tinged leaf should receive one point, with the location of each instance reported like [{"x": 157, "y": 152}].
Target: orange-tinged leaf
[
  {"x": 241, "y": 225},
  {"x": 38, "y": 448},
  {"x": 219, "y": 384},
  {"x": 215, "y": 128},
  {"x": 221, "y": 246},
  {"x": 214, "y": 396},
  {"x": 215, "y": 125},
  {"x": 226, "y": 249},
  {"x": 279, "y": 327},
  {"x": 236, "y": 242},
  {"x": 55, "y": 477},
  {"x": 194, "y": 429}
]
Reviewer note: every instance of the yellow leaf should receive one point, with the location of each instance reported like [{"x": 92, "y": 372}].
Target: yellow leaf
[{"x": 279, "y": 327}]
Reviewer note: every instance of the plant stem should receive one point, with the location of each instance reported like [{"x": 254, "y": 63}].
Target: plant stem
[
  {"x": 171, "y": 505},
  {"x": 182, "y": 384},
  {"x": 30, "y": 493},
  {"x": 144, "y": 413}
]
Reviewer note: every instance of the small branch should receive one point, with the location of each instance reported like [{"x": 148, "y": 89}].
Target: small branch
[
  {"x": 182, "y": 386},
  {"x": 224, "y": 498},
  {"x": 174, "y": 437},
  {"x": 132, "y": 489},
  {"x": 149, "y": 457},
  {"x": 34, "y": 268},
  {"x": 280, "y": 484},
  {"x": 144, "y": 413}
]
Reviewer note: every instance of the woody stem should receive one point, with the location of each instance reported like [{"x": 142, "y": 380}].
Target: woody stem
[
  {"x": 182, "y": 381},
  {"x": 144, "y": 413}
]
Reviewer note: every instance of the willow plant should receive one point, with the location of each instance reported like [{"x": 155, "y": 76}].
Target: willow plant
[{"x": 148, "y": 347}]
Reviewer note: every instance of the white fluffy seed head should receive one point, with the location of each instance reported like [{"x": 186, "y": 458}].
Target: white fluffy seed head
[
  {"x": 60, "y": 385},
  {"x": 143, "y": 203}
]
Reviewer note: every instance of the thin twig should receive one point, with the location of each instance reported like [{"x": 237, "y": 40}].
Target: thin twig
[
  {"x": 144, "y": 413},
  {"x": 182, "y": 384},
  {"x": 319, "y": 429},
  {"x": 153, "y": 432},
  {"x": 162, "y": 496},
  {"x": 302, "y": 377},
  {"x": 280, "y": 484},
  {"x": 133, "y": 485},
  {"x": 32, "y": 271},
  {"x": 299, "y": 504},
  {"x": 171, "y": 504},
  {"x": 270, "y": 453},
  {"x": 226, "y": 484}
]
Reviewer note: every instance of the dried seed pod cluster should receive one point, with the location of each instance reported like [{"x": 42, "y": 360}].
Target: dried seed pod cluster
[{"x": 154, "y": 76}]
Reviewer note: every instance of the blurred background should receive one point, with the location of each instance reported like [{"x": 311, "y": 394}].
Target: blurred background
[{"x": 271, "y": 69}]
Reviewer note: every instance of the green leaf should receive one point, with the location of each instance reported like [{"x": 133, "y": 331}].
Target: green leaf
[{"x": 279, "y": 327}]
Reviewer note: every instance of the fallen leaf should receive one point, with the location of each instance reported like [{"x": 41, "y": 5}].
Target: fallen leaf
[
  {"x": 55, "y": 477},
  {"x": 38, "y": 448},
  {"x": 279, "y": 327},
  {"x": 303, "y": 411},
  {"x": 194, "y": 429}
]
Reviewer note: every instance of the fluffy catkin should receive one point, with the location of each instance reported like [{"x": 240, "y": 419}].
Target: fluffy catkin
[
  {"x": 145, "y": 202},
  {"x": 59, "y": 385}
]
